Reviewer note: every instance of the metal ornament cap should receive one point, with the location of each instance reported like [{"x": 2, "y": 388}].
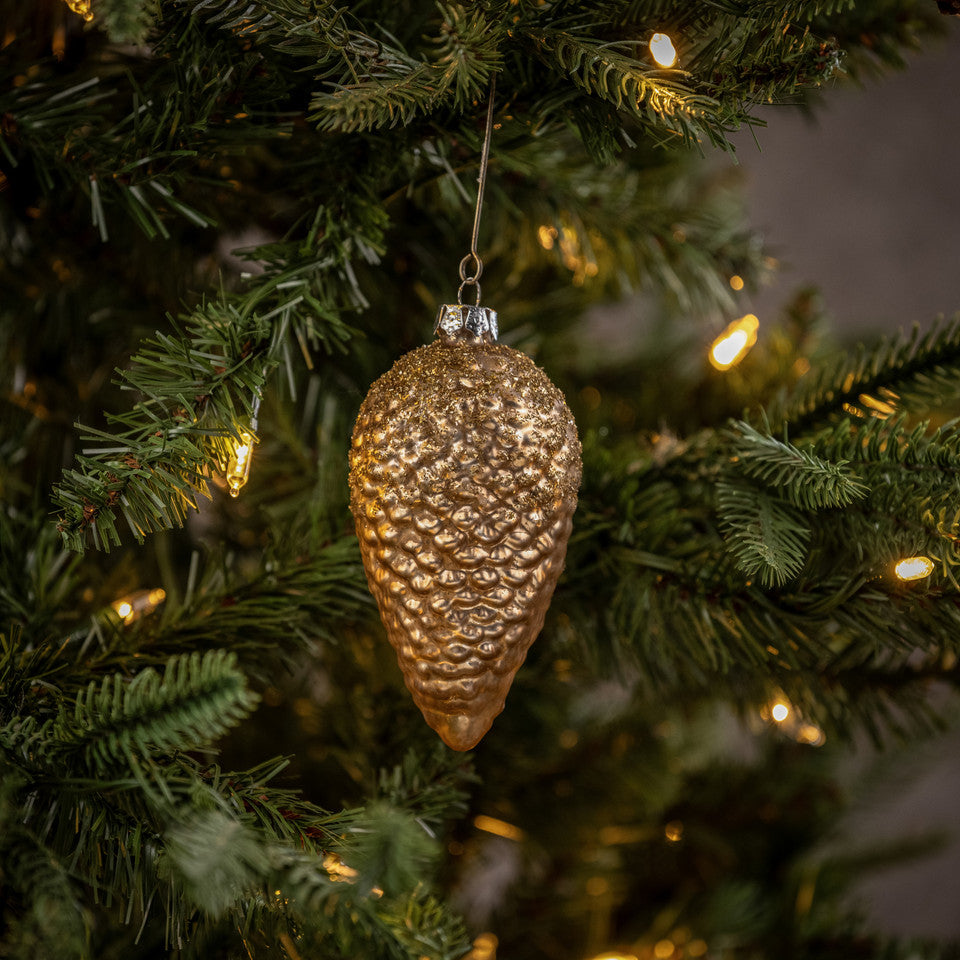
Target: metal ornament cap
[
  {"x": 464, "y": 321},
  {"x": 464, "y": 472}
]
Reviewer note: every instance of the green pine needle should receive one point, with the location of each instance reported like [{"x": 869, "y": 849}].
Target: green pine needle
[
  {"x": 907, "y": 373},
  {"x": 766, "y": 535},
  {"x": 615, "y": 73},
  {"x": 391, "y": 849},
  {"x": 195, "y": 701},
  {"x": 218, "y": 859},
  {"x": 805, "y": 479}
]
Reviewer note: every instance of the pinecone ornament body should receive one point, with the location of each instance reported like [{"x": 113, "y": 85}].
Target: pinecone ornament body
[{"x": 464, "y": 472}]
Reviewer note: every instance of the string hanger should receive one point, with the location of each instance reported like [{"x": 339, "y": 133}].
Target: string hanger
[{"x": 473, "y": 257}]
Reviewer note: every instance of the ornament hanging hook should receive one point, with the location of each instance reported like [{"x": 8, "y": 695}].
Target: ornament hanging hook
[{"x": 473, "y": 257}]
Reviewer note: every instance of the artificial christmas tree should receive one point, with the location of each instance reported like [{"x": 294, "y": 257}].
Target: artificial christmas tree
[{"x": 205, "y": 745}]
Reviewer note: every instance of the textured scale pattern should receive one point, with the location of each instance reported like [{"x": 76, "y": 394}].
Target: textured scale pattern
[{"x": 464, "y": 472}]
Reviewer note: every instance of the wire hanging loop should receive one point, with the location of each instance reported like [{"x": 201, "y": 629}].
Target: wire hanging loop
[{"x": 471, "y": 266}]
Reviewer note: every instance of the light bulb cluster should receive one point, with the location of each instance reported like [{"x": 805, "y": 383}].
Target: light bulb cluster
[
  {"x": 678, "y": 944},
  {"x": 783, "y": 715},
  {"x": 484, "y": 947},
  {"x": 82, "y": 8},
  {"x": 138, "y": 604}
]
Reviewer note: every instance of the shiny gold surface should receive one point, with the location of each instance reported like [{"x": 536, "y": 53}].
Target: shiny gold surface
[{"x": 464, "y": 471}]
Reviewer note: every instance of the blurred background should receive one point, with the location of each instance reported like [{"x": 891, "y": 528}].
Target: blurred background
[{"x": 863, "y": 200}]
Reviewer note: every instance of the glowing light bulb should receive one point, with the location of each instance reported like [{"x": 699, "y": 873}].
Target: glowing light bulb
[
  {"x": 811, "y": 735},
  {"x": 914, "y": 568},
  {"x": 484, "y": 947},
  {"x": 81, "y": 7},
  {"x": 546, "y": 235},
  {"x": 597, "y": 886},
  {"x": 663, "y": 50},
  {"x": 138, "y": 604},
  {"x": 780, "y": 712},
  {"x": 238, "y": 466},
  {"x": 732, "y": 345},
  {"x": 497, "y": 827},
  {"x": 337, "y": 870}
]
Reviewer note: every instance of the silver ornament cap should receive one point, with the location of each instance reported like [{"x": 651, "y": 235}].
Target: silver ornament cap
[{"x": 463, "y": 321}]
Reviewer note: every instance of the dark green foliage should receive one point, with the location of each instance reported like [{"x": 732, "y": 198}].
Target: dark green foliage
[
  {"x": 208, "y": 202},
  {"x": 217, "y": 858},
  {"x": 767, "y": 537},
  {"x": 392, "y": 849},
  {"x": 802, "y": 477},
  {"x": 99, "y": 803},
  {"x": 54, "y": 919},
  {"x": 911, "y": 372},
  {"x": 619, "y": 77},
  {"x": 195, "y": 701}
]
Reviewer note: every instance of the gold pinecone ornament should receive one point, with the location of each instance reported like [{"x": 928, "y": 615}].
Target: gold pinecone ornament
[{"x": 464, "y": 472}]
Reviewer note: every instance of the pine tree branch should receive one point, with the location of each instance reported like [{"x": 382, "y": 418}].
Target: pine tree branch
[
  {"x": 395, "y": 87},
  {"x": 127, "y": 21},
  {"x": 882, "y": 700},
  {"x": 291, "y": 603},
  {"x": 804, "y": 478},
  {"x": 897, "y": 442},
  {"x": 34, "y": 588},
  {"x": 673, "y": 607},
  {"x": 320, "y": 33},
  {"x": 219, "y": 860},
  {"x": 424, "y": 926},
  {"x": 199, "y": 388},
  {"x": 613, "y": 72},
  {"x": 655, "y": 227},
  {"x": 221, "y": 863},
  {"x": 200, "y": 384},
  {"x": 759, "y": 53},
  {"x": 767, "y": 537},
  {"x": 379, "y": 83},
  {"x": 910, "y": 373},
  {"x": 282, "y": 814},
  {"x": 406, "y": 927},
  {"x": 195, "y": 701},
  {"x": 131, "y": 139},
  {"x": 467, "y": 52},
  {"x": 53, "y": 916},
  {"x": 430, "y": 784},
  {"x": 392, "y": 98}
]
